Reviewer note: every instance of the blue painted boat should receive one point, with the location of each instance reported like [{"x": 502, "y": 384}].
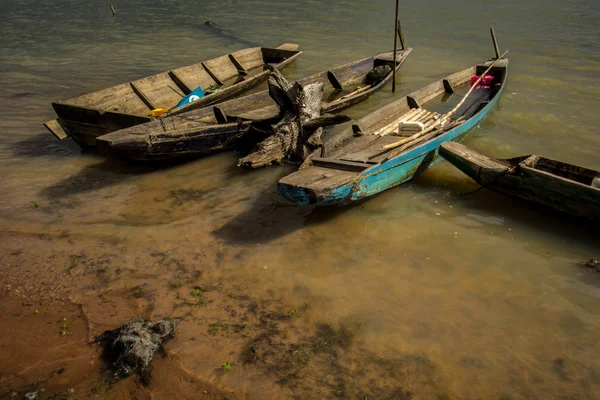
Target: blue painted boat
[{"x": 370, "y": 157}]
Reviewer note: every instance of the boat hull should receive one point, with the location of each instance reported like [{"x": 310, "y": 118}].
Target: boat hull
[
  {"x": 523, "y": 180},
  {"x": 338, "y": 185},
  {"x": 198, "y": 133},
  {"x": 80, "y": 119}
]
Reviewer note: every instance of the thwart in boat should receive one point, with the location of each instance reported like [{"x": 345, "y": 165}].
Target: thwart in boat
[
  {"x": 86, "y": 117},
  {"x": 220, "y": 127}
]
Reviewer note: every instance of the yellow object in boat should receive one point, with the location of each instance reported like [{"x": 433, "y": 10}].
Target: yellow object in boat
[{"x": 158, "y": 112}]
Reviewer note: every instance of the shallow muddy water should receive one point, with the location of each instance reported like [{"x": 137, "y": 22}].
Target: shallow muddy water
[{"x": 432, "y": 290}]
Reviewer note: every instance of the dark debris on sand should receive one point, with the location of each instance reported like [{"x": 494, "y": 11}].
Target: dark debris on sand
[
  {"x": 594, "y": 264},
  {"x": 130, "y": 348}
]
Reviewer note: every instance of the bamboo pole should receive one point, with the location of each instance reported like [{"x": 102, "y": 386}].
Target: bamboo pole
[
  {"x": 395, "y": 47},
  {"x": 444, "y": 118},
  {"x": 112, "y": 8}
]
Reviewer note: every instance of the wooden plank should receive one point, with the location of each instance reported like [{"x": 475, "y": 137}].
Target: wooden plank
[
  {"x": 448, "y": 86},
  {"x": 212, "y": 75},
  {"x": 569, "y": 171},
  {"x": 401, "y": 34},
  {"x": 288, "y": 47},
  {"x": 364, "y": 153},
  {"x": 339, "y": 164},
  {"x": 352, "y": 145},
  {"x": 56, "y": 129},
  {"x": 91, "y": 116},
  {"x": 159, "y": 90},
  {"x": 397, "y": 22},
  {"x": 258, "y": 113},
  {"x": 334, "y": 81},
  {"x": 120, "y": 98},
  {"x": 179, "y": 82},
  {"x": 496, "y": 50},
  {"x": 250, "y": 58},
  {"x": 220, "y": 115},
  {"x": 194, "y": 76},
  {"x": 241, "y": 70},
  {"x": 142, "y": 96},
  {"x": 412, "y": 102}
]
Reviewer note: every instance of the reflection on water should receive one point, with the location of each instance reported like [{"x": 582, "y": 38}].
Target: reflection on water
[{"x": 430, "y": 290}]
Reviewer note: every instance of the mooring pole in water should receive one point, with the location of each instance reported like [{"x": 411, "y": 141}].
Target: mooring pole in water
[
  {"x": 112, "y": 8},
  {"x": 495, "y": 41},
  {"x": 395, "y": 47}
]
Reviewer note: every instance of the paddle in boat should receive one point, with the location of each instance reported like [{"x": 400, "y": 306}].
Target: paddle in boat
[
  {"x": 561, "y": 186},
  {"x": 220, "y": 127},
  {"x": 395, "y": 143},
  {"x": 179, "y": 90}
]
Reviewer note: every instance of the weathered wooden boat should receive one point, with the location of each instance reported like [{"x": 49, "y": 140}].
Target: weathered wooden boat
[
  {"x": 219, "y": 127},
  {"x": 561, "y": 186},
  {"x": 367, "y": 158},
  {"x": 86, "y": 117}
]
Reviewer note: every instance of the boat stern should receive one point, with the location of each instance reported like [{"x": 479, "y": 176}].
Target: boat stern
[{"x": 318, "y": 186}]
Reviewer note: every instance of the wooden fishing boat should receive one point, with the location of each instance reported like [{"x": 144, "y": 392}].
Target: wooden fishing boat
[
  {"x": 219, "y": 127},
  {"x": 561, "y": 186},
  {"x": 86, "y": 117},
  {"x": 369, "y": 157}
]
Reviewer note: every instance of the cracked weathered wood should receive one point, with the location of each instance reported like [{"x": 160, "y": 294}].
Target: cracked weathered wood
[{"x": 290, "y": 140}]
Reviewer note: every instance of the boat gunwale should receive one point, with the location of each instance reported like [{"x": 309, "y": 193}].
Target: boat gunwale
[
  {"x": 157, "y": 132},
  {"x": 409, "y": 154},
  {"x": 480, "y": 115}
]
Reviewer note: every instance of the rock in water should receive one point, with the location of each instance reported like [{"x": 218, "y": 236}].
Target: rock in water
[{"x": 131, "y": 347}]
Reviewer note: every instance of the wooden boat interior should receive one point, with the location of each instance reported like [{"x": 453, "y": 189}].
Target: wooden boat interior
[
  {"x": 166, "y": 89},
  {"x": 572, "y": 172},
  {"x": 404, "y": 118},
  {"x": 339, "y": 86},
  {"x": 260, "y": 107}
]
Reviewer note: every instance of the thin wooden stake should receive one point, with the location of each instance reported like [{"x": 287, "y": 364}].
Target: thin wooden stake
[
  {"x": 495, "y": 42},
  {"x": 112, "y": 8},
  {"x": 401, "y": 35},
  {"x": 395, "y": 47}
]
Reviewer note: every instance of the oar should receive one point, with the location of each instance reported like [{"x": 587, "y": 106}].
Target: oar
[{"x": 446, "y": 116}]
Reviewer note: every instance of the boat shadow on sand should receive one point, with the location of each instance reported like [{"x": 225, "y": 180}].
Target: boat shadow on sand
[
  {"x": 44, "y": 145},
  {"x": 271, "y": 217},
  {"x": 104, "y": 174}
]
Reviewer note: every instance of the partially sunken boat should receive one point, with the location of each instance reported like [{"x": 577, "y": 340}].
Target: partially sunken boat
[
  {"x": 395, "y": 143},
  {"x": 86, "y": 117},
  {"x": 564, "y": 187},
  {"x": 219, "y": 127}
]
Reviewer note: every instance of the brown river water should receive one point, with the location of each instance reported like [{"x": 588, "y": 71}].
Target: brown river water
[{"x": 431, "y": 290}]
